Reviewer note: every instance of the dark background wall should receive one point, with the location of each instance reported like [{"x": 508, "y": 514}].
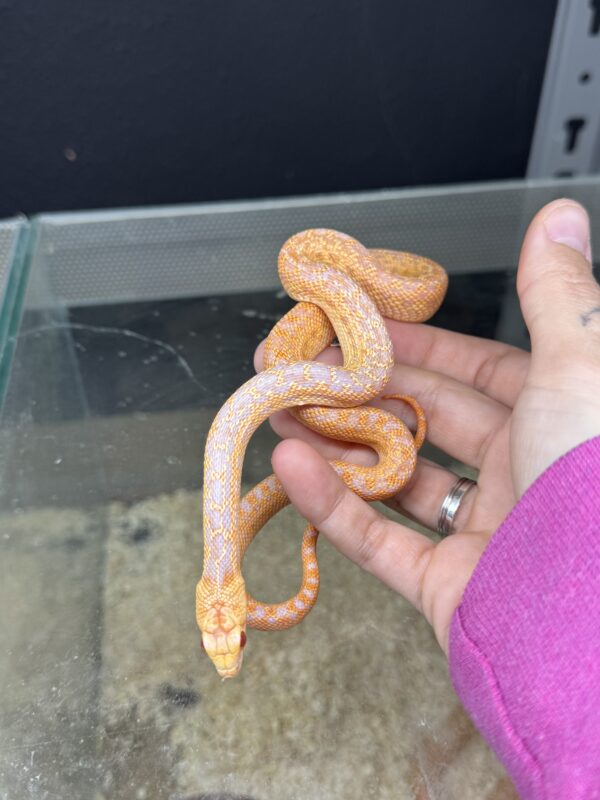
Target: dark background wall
[{"x": 151, "y": 101}]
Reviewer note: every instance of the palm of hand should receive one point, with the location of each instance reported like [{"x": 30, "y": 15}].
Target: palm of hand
[{"x": 501, "y": 411}]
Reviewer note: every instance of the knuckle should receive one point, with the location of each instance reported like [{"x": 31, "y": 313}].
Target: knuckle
[
  {"x": 572, "y": 280},
  {"x": 577, "y": 284},
  {"x": 371, "y": 541},
  {"x": 485, "y": 372},
  {"x": 431, "y": 341},
  {"x": 431, "y": 396},
  {"x": 567, "y": 279},
  {"x": 484, "y": 445},
  {"x": 328, "y": 518}
]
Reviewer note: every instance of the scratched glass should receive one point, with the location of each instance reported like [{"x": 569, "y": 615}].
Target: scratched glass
[{"x": 135, "y": 327}]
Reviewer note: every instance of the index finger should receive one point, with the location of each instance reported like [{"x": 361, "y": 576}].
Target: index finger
[
  {"x": 431, "y": 577},
  {"x": 394, "y": 553}
]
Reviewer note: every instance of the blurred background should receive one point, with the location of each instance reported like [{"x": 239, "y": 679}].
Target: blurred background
[{"x": 137, "y": 103}]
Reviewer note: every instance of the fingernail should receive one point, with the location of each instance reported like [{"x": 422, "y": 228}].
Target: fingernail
[{"x": 568, "y": 224}]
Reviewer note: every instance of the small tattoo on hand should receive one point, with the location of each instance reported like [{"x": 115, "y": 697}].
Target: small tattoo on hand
[{"x": 585, "y": 318}]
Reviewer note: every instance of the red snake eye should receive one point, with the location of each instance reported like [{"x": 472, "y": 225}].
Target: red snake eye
[{"x": 243, "y": 639}]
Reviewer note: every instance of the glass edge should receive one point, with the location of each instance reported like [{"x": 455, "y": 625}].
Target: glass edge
[
  {"x": 300, "y": 201},
  {"x": 12, "y": 302}
]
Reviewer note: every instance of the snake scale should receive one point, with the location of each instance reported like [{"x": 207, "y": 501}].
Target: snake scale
[{"x": 342, "y": 290}]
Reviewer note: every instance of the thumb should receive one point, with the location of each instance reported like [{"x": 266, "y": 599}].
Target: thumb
[
  {"x": 559, "y": 406},
  {"x": 559, "y": 297}
]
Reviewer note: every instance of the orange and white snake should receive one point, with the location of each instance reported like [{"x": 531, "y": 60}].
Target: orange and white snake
[{"x": 343, "y": 289}]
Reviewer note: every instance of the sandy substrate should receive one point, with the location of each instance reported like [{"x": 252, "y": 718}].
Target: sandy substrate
[
  {"x": 355, "y": 702},
  {"x": 108, "y": 689}
]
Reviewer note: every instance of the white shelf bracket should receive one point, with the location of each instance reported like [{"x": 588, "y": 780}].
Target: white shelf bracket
[{"x": 566, "y": 141}]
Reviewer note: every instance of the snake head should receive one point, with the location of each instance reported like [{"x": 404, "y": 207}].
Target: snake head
[
  {"x": 223, "y": 625},
  {"x": 224, "y": 640}
]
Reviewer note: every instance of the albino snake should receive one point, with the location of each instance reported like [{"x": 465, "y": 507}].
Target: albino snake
[{"x": 344, "y": 290}]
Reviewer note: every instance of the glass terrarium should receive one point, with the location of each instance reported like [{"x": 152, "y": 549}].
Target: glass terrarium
[{"x": 122, "y": 333}]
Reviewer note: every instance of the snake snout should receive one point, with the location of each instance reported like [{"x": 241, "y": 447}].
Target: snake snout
[
  {"x": 225, "y": 650},
  {"x": 232, "y": 671},
  {"x": 227, "y": 663}
]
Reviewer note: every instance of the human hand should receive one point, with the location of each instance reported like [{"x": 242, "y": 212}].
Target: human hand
[{"x": 505, "y": 412}]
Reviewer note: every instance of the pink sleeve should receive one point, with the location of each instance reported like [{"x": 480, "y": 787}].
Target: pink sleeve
[{"x": 525, "y": 640}]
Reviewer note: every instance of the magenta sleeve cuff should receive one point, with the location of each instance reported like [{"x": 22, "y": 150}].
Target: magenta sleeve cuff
[{"x": 525, "y": 640}]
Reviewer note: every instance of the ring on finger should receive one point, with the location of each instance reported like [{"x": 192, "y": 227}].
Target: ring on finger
[{"x": 451, "y": 504}]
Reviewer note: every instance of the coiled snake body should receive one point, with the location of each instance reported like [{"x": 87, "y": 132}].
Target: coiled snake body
[{"x": 343, "y": 289}]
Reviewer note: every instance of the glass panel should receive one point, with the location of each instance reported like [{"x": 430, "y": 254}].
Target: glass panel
[
  {"x": 137, "y": 325},
  {"x": 13, "y": 272}
]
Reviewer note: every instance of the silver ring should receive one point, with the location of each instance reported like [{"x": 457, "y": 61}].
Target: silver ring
[{"x": 451, "y": 505}]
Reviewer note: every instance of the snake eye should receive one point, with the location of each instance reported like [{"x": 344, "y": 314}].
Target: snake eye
[{"x": 243, "y": 639}]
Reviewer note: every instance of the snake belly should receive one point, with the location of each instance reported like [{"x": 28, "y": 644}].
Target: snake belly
[{"x": 342, "y": 290}]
